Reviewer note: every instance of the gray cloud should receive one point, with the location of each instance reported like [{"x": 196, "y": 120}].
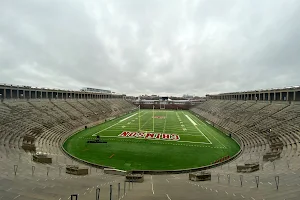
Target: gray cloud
[{"x": 156, "y": 47}]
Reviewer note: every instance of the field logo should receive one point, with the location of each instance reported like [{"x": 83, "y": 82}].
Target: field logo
[
  {"x": 154, "y": 136},
  {"x": 159, "y": 117}
]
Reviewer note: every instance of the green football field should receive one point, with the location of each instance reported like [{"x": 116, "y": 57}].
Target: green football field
[{"x": 170, "y": 140}]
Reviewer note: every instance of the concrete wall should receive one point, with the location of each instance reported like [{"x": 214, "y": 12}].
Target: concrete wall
[
  {"x": 292, "y": 94},
  {"x": 23, "y": 92}
]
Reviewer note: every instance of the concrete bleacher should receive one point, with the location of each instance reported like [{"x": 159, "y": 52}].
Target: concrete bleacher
[
  {"x": 251, "y": 121},
  {"x": 48, "y": 122},
  {"x": 56, "y": 119}
]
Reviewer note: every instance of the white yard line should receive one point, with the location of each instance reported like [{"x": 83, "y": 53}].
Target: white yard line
[
  {"x": 128, "y": 117},
  {"x": 168, "y": 197},
  {"x": 212, "y": 136},
  {"x": 95, "y": 134},
  {"x": 192, "y": 121},
  {"x": 204, "y": 135},
  {"x": 165, "y": 122},
  {"x": 192, "y": 135},
  {"x": 146, "y": 122},
  {"x": 215, "y": 138}
]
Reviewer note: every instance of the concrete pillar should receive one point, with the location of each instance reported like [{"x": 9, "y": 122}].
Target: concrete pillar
[
  {"x": 18, "y": 94},
  {"x": 35, "y": 94},
  {"x": 294, "y": 99},
  {"x": 46, "y": 94},
  {"x": 280, "y": 98},
  {"x": 287, "y": 96},
  {"x": 4, "y": 93},
  {"x": 269, "y": 96}
]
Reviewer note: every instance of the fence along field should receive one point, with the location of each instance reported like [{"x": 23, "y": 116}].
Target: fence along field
[{"x": 147, "y": 140}]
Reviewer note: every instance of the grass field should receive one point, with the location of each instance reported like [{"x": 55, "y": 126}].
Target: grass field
[{"x": 199, "y": 143}]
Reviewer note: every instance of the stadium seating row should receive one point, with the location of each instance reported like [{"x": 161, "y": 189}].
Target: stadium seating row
[{"x": 50, "y": 121}]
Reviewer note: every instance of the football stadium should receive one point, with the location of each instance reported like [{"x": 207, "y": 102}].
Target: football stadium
[
  {"x": 58, "y": 144},
  {"x": 149, "y": 100}
]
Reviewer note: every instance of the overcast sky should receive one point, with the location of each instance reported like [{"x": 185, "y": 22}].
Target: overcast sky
[{"x": 165, "y": 47}]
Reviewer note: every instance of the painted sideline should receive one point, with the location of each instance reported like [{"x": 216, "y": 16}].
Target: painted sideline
[{"x": 192, "y": 121}]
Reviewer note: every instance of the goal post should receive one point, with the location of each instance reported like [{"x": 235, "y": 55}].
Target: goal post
[
  {"x": 153, "y": 118},
  {"x": 153, "y": 121}
]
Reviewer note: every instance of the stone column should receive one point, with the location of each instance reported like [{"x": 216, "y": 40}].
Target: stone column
[
  {"x": 4, "y": 93},
  {"x": 280, "y": 98}
]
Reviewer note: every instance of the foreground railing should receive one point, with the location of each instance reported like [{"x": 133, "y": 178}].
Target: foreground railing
[{"x": 111, "y": 192}]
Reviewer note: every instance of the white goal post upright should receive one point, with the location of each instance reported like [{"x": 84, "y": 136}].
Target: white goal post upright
[
  {"x": 153, "y": 119},
  {"x": 139, "y": 117}
]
